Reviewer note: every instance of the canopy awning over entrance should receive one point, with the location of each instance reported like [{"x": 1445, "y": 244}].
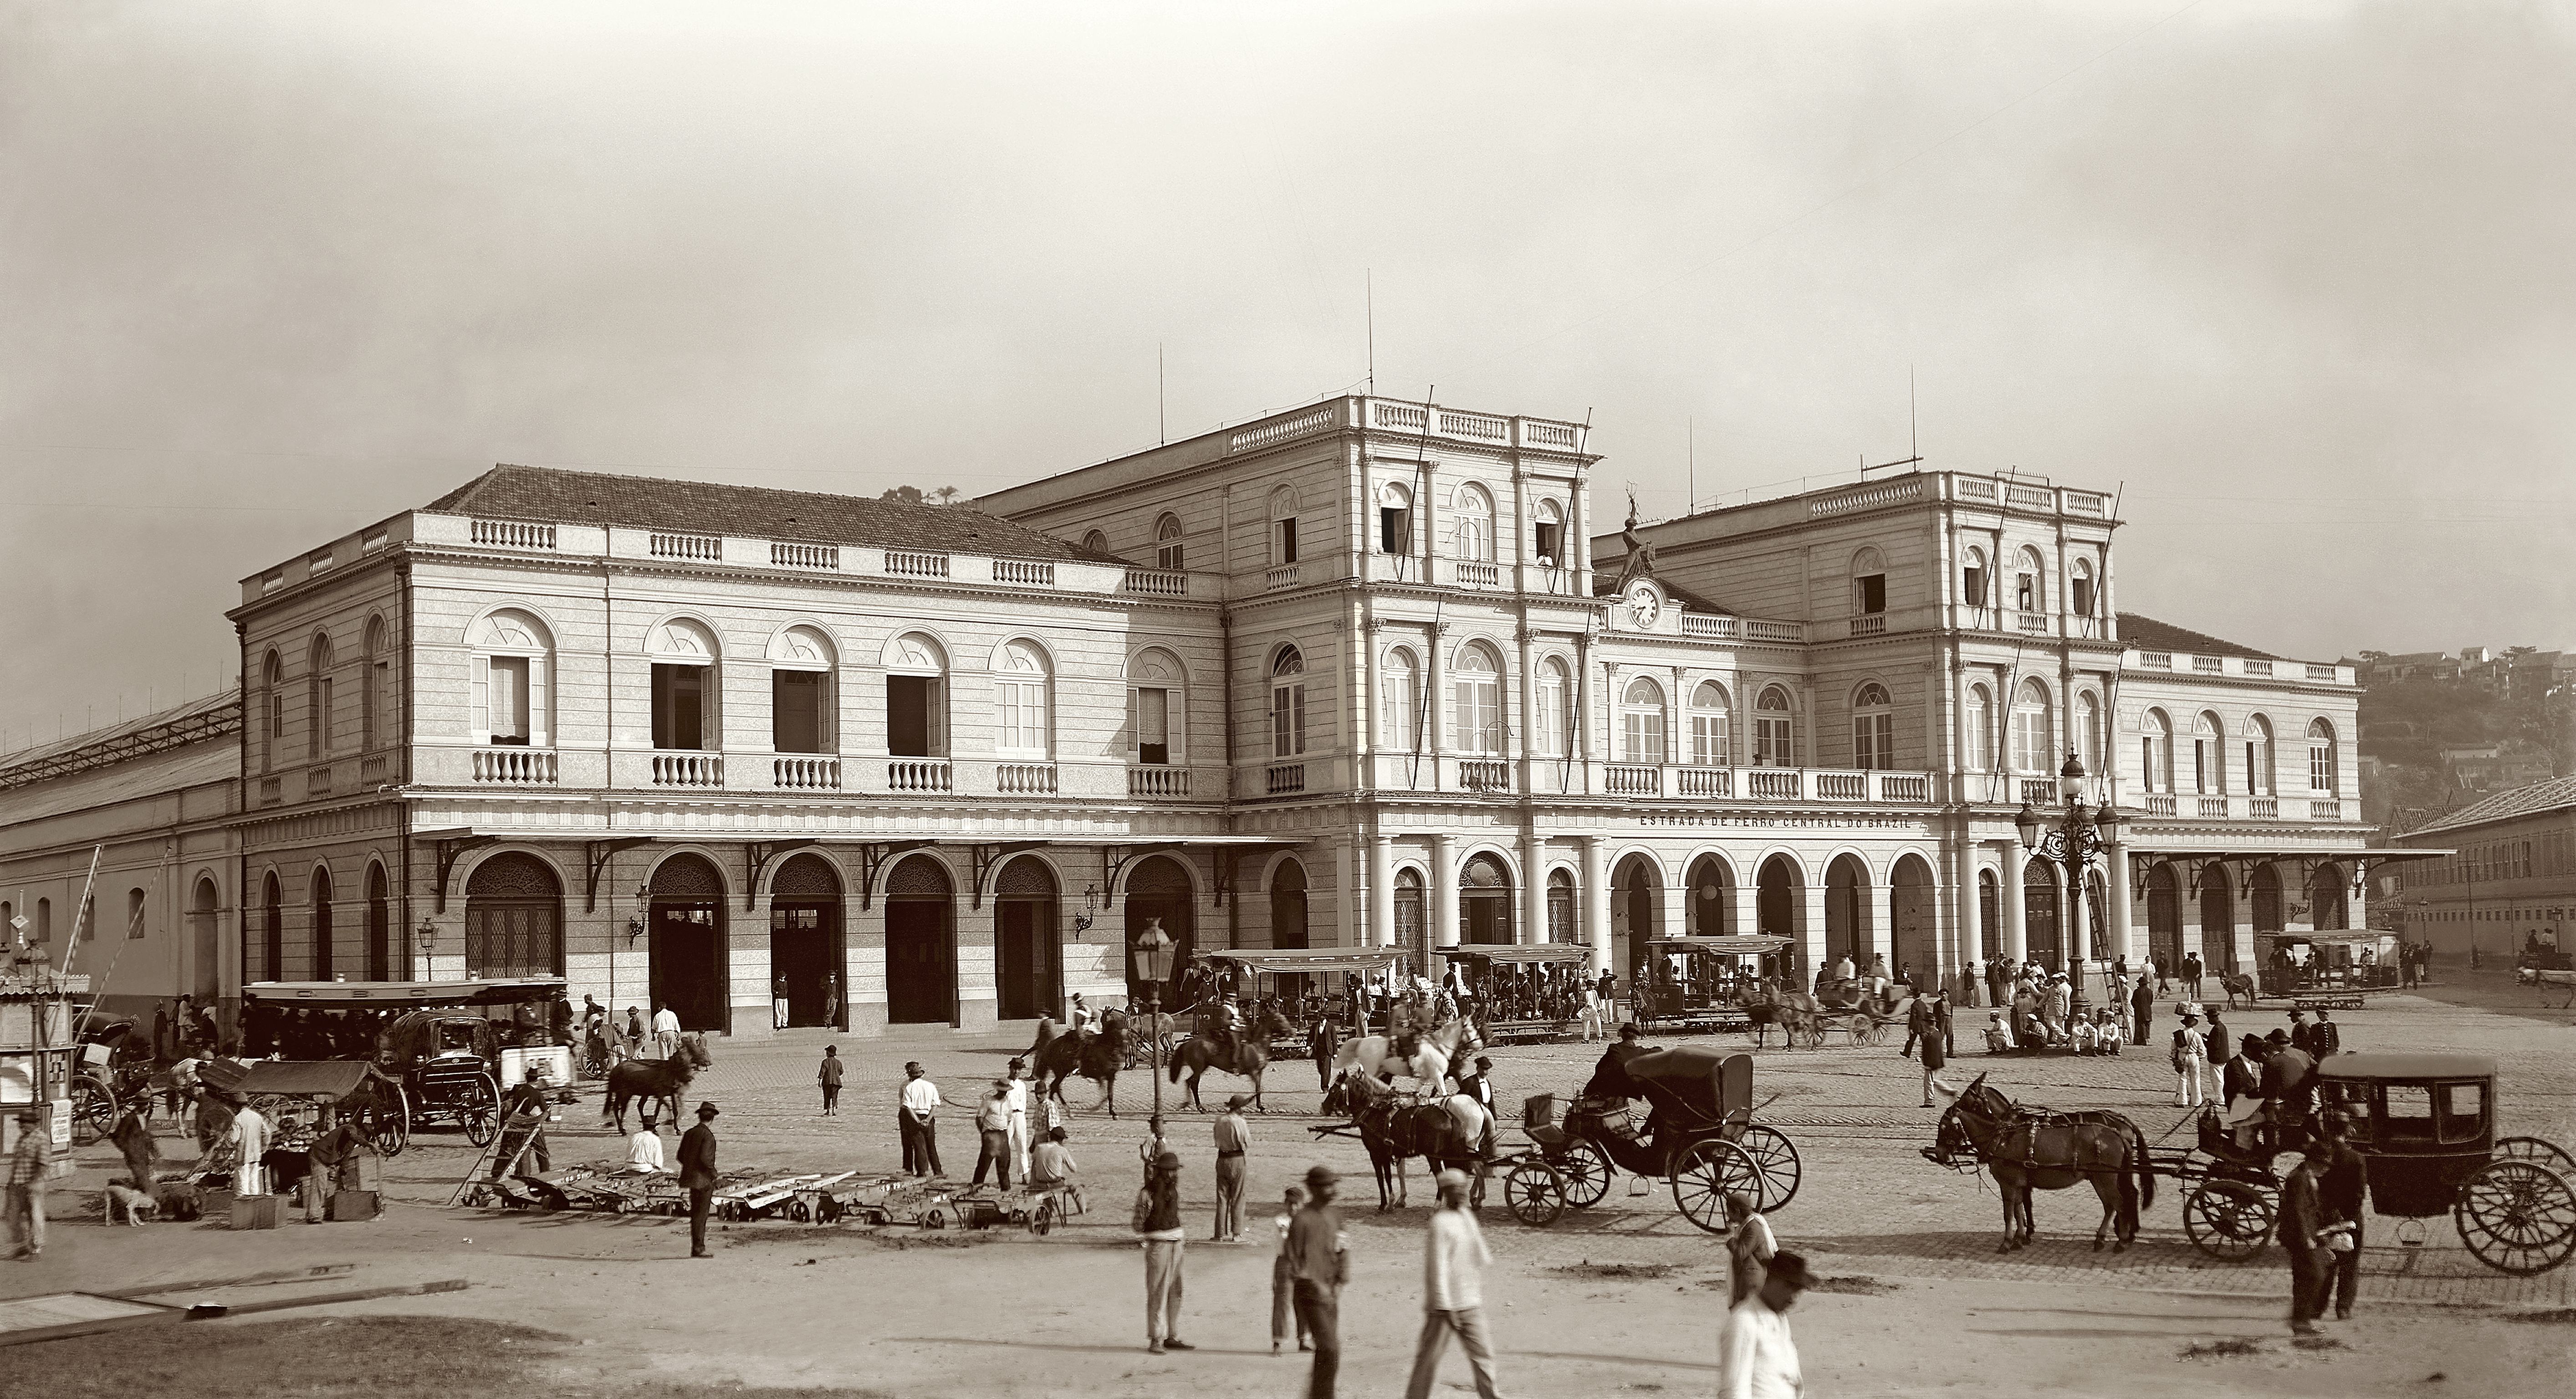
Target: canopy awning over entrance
[
  {"x": 354, "y": 994},
  {"x": 1522, "y": 952},
  {"x": 2144, "y": 857},
  {"x": 1745, "y": 945},
  {"x": 1310, "y": 959}
]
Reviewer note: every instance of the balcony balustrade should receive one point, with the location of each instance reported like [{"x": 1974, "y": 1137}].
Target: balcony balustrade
[
  {"x": 701, "y": 548},
  {"x": 515, "y": 766},
  {"x": 2325, "y": 809},
  {"x": 1704, "y": 782},
  {"x": 1284, "y": 576},
  {"x": 908, "y": 564},
  {"x": 1842, "y": 786},
  {"x": 1472, "y": 574},
  {"x": 1874, "y": 624},
  {"x": 2212, "y": 808},
  {"x": 2031, "y": 623},
  {"x": 511, "y": 534},
  {"x": 688, "y": 769},
  {"x": 785, "y": 555},
  {"x": 919, "y": 775},
  {"x": 1280, "y": 779},
  {"x": 1155, "y": 582},
  {"x": 1775, "y": 784},
  {"x": 1484, "y": 775},
  {"x": 272, "y": 790},
  {"x": 2263, "y": 808},
  {"x": 1904, "y": 787},
  {"x": 1024, "y": 779},
  {"x": 2160, "y": 804},
  {"x": 1626, "y": 780},
  {"x": 1151, "y": 780},
  {"x": 1024, "y": 573},
  {"x": 317, "y": 782},
  {"x": 2039, "y": 791},
  {"x": 806, "y": 774},
  {"x": 372, "y": 770}
]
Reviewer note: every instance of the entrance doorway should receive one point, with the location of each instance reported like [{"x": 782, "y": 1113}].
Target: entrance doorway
[
  {"x": 1775, "y": 907},
  {"x": 805, "y": 941},
  {"x": 2164, "y": 918},
  {"x": 1847, "y": 930},
  {"x": 921, "y": 956},
  {"x": 1910, "y": 907},
  {"x": 686, "y": 922},
  {"x": 1484, "y": 902},
  {"x": 1288, "y": 924},
  {"x": 1029, "y": 959},
  {"x": 513, "y": 918},
  {"x": 2217, "y": 921},
  {"x": 2039, "y": 915},
  {"x": 380, "y": 927}
]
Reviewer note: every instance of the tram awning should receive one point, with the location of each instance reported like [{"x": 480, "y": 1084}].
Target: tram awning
[
  {"x": 1743, "y": 945},
  {"x": 513, "y": 991},
  {"x": 1309, "y": 959},
  {"x": 1522, "y": 953},
  {"x": 290, "y": 1078},
  {"x": 2356, "y": 937}
]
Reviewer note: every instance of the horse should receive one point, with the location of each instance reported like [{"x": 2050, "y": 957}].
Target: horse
[
  {"x": 1797, "y": 1014},
  {"x": 2048, "y": 1151},
  {"x": 1203, "y": 1051},
  {"x": 1445, "y": 1132},
  {"x": 1433, "y": 1052},
  {"x": 655, "y": 1081},
  {"x": 1097, "y": 1055},
  {"x": 2239, "y": 984}
]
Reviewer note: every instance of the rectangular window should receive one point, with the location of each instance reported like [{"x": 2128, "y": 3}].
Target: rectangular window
[
  {"x": 2321, "y": 767},
  {"x": 1287, "y": 541},
  {"x": 1551, "y": 536},
  {"x": 1020, "y": 710},
  {"x": 1168, "y": 557},
  {"x": 1708, "y": 738},
  {"x": 505, "y": 701},
  {"x": 679, "y": 695},
  {"x": 1287, "y": 721},
  {"x": 1480, "y": 724},
  {"x": 1643, "y": 733},
  {"x": 2200, "y": 775},
  {"x": 796, "y": 711},
  {"x": 1771, "y": 744},
  {"x": 2083, "y": 597},
  {"x": 913, "y": 714},
  {"x": 1872, "y": 591},
  {"x": 1972, "y": 589},
  {"x": 1394, "y": 530},
  {"x": 1874, "y": 742},
  {"x": 1153, "y": 726},
  {"x": 1400, "y": 722}
]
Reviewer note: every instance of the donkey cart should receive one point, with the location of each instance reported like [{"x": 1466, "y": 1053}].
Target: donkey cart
[{"x": 1699, "y": 1137}]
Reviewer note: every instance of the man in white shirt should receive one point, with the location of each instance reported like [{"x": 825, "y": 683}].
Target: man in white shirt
[
  {"x": 1453, "y": 1276},
  {"x": 1756, "y": 1358},
  {"x": 250, "y": 1140},
  {"x": 666, "y": 1032},
  {"x": 916, "y": 1119},
  {"x": 644, "y": 1150}
]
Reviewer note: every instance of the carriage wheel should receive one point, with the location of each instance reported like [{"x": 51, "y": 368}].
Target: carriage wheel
[
  {"x": 1043, "y": 1222},
  {"x": 2228, "y": 1220},
  {"x": 393, "y": 1124},
  {"x": 2535, "y": 1150},
  {"x": 1534, "y": 1193},
  {"x": 1584, "y": 1172},
  {"x": 477, "y": 1106},
  {"x": 1777, "y": 1158},
  {"x": 93, "y": 1111},
  {"x": 801, "y": 1212},
  {"x": 1704, "y": 1174},
  {"x": 1867, "y": 1031},
  {"x": 2517, "y": 1216},
  {"x": 934, "y": 1220}
]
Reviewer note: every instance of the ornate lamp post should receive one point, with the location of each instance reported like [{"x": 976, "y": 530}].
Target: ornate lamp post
[
  {"x": 2077, "y": 838},
  {"x": 1154, "y": 949}
]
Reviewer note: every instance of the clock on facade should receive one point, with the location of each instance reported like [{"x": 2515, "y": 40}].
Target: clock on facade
[{"x": 1644, "y": 605}]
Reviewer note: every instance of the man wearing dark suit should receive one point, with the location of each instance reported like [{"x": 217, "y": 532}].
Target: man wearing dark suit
[
  {"x": 698, "y": 1176},
  {"x": 2243, "y": 1075}
]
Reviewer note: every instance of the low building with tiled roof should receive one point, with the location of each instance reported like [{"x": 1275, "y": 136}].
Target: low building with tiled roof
[{"x": 2510, "y": 880}]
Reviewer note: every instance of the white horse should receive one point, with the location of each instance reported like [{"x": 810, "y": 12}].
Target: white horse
[{"x": 1434, "y": 1051}]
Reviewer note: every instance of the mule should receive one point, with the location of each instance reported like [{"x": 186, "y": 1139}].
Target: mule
[
  {"x": 2239, "y": 984},
  {"x": 1433, "y": 1052},
  {"x": 1097, "y": 1055},
  {"x": 1204, "y": 1051},
  {"x": 1445, "y": 1132},
  {"x": 2029, "y": 1151},
  {"x": 656, "y": 1081}
]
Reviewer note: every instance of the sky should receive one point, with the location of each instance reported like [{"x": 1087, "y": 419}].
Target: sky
[{"x": 2292, "y": 279}]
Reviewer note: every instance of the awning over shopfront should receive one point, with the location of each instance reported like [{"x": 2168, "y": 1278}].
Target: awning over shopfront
[
  {"x": 2360, "y": 860},
  {"x": 1522, "y": 953},
  {"x": 355, "y": 995}
]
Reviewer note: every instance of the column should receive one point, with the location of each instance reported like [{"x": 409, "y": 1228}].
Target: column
[
  {"x": 1533, "y": 891},
  {"x": 1381, "y": 893},
  {"x": 2116, "y": 937},
  {"x": 1960, "y": 901},
  {"x": 1882, "y": 924},
  {"x": 747, "y": 958},
  {"x": 863, "y": 960},
  {"x": 2016, "y": 928},
  {"x": 1578, "y": 523},
  {"x": 1595, "y": 896},
  {"x": 1350, "y": 913},
  {"x": 978, "y": 989},
  {"x": 1811, "y": 929},
  {"x": 1444, "y": 892}
]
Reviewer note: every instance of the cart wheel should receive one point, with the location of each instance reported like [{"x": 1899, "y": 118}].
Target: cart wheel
[
  {"x": 2535, "y": 1150},
  {"x": 1705, "y": 1173},
  {"x": 801, "y": 1212},
  {"x": 1585, "y": 1174},
  {"x": 612, "y": 1205},
  {"x": 1813, "y": 1032},
  {"x": 1043, "y": 1222},
  {"x": 2518, "y": 1217},
  {"x": 93, "y": 1111},
  {"x": 934, "y": 1220},
  {"x": 1777, "y": 1157},
  {"x": 1535, "y": 1193},
  {"x": 2228, "y": 1220}
]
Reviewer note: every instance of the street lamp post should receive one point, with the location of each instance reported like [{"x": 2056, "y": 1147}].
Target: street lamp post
[
  {"x": 1154, "y": 949},
  {"x": 2077, "y": 838}
]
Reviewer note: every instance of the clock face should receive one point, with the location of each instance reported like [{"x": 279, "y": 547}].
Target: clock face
[{"x": 1643, "y": 605}]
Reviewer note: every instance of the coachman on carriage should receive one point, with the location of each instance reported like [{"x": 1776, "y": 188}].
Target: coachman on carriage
[{"x": 1699, "y": 1136}]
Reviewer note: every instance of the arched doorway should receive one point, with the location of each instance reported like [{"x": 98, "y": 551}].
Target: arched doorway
[
  {"x": 1710, "y": 910},
  {"x": 1636, "y": 916},
  {"x": 321, "y": 930},
  {"x": 1560, "y": 908},
  {"x": 2266, "y": 890},
  {"x": 1288, "y": 922},
  {"x": 380, "y": 927},
  {"x": 1916, "y": 923},
  {"x": 805, "y": 941},
  {"x": 1990, "y": 914},
  {"x": 513, "y": 918},
  {"x": 2217, "y": 920},
  {"x": 921, "y": 957},
  {"x": 1029, "y": 960},
  {"x": 272, "y": 932},
  {"x": 1484, "y": 902},
  {"x": 687, "y": 950},
  {"x": 1776, "y": 888},
  {"x": 206, "y": 978},
  {"x": 2328, "y": 909},
  {"x": 1159, "y": 888},
  {"x": 2039, "y": 915},
  {"x": 2164, "y": 918},
  {"x": 1408, "y": 915},
  {"x": 1847, "y": 930}
]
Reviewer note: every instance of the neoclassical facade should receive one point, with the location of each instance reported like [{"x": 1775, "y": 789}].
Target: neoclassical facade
[{"x": 1362, "y": 673}]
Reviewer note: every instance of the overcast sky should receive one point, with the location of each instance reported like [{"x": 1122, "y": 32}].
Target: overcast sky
[{"x": 2294, "y": 278}]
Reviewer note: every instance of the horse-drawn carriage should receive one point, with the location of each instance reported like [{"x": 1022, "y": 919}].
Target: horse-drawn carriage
[
  {"x": 1520, "y": 993},
  {"x": 1699, "y": 1136},
  {"x": 447, "y": 1047},
  {"x": 1706, "y": 984},
  {"x": 2331, "y": 977}
]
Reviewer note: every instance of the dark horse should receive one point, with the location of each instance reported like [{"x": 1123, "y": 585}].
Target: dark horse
[
  {"x": 1205, "y": 1050},
  {"x": 2029, "y": 1150},
  {"x": 1097, "y": 1055},
  {"x": 1396, "y": 1128},
  {"x": 656, "y": 1081}
]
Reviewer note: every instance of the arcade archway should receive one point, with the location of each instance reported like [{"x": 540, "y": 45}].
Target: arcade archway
[
  {"x": 686, "y": 918},
  {"x": 921, "y": 943}
]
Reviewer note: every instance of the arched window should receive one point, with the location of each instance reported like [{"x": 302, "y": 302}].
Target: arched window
[
  {"x": 2155, "y": 752},
  {"x": 1560, "y": 907},
  {"x": 1287, "y": 703},
  {"x": 1400, "y": 700},
  {"x": 1641, "y": 722},
  {"x": 916, "y": 697},
  {"x": 1547, "y": 543},
  {"x": 1408, "y": 908},
  {"x": 372, "y": 688},
  {"x": 1972, "y": 578},
  {"x": 1096, "y": 542},
  {"x": 803, "y": 703},
  {"x": 1869, "y": 583},
  {"x": 1977, "y": 746},
  {"x": 1708, "y": 715},
  {"x": 1873, "y": 728},
  {"x": 1772, "y": 735},
  {"x": 1552, "y": 728},
  {"x": 1167, "y": 543},
  {"x": 1283, "y": 526},
  {"x": 2258, "y": 757},
  {"x": 320, "y": 890},
  {"x": 2088, "y": 720},
  {"x": 514, "y": 916},
  {"x": 272, "y": 701},
  {"x": 2208, "y": 757},
  {"x": 1394, "y": 519},
  {"x": 44, "y": 920},
  {"x": 2082, "y": 586},
  {"x": 272, "y": 933},
  {"x": 134, "y": 913},
  {"x": 1478, "y": 693},
  {"x": 1021, "y": 707},
  {"x": 2030, "y": 592},
  {"x": 2030, "y": 729},
  {"x": 2321, "y": 757},
  {"x": 317, "y": 699},
  {"x": 1990, "y": 912},
  {"x": 1474, "y": 525},
  {"x": 685, "y": 692},
  {"x": 1157, "y": 704},
  {"x": 511, "y": 681}
]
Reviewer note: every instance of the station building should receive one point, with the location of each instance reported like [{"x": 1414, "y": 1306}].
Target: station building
[
  {"x": 2503, "y": 876},
  {"x": 1362, "y": 673}
]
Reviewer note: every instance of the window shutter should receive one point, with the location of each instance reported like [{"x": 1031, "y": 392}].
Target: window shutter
[
  {"x": 937, "y": 720},
  {"x": 1135, "y": 724},
  {"x": 827, "y": 711},
  {"x": 479, "y": 725},
  {"x": 541, "y": 733},
  {"x": 1176, "y": 739}
]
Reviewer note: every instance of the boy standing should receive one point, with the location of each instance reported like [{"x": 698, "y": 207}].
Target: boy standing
[
  {"x": 829, "y": 1078},
  {"x": 1283, "y": 1278}
]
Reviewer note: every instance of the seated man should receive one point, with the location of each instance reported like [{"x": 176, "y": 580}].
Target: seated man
[
  {"x": 1610, "y": 1076},
  {"x": 2112, "y": 1036},
  {"x": 1999, "y": 1038},
  {"x": 2086, "y": 1036},
  {"x": 1051, "y": 1167},
  {"x": 643, "y": 1151}
]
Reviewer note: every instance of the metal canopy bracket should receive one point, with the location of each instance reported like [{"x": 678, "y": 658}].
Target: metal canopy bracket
[
  {"x": 873, "y": 858},
  {"x": 1111, "y": 867},
  {"x": 757, "y": 854},
  {"x": 448, "y": 851},
  {"x": 987, "y": 856},
  {"x": 595, "y": 854}
]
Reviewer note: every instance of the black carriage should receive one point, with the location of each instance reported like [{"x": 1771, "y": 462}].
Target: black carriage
[
  {"x": 1525, "y": 991},
  {"x": 1699, "y": 1136}
]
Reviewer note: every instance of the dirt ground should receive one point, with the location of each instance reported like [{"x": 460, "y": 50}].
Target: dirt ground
[{"x": 1624, "y": 1299}]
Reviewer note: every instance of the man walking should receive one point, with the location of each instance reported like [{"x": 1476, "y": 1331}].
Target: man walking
[
  {"x": 1321, "y": 1045},
  {"x": 31, "y": 1168},
  {"x": 698, "y": 1176},
  {"x": 2190, "y": 1054},
  {"x": 2341, "y": 1189},
  {"x": 2191, "y": 970},
  {"x": 828, "y": 1078},
  {"x": 1756, "y": 1356},
  {"x": 1233, "y": 1137},
  {"x": 916, "y": 1120},
  {"x": 1319, "y": 1266},
  {"x": 2304, "y": 1236},
  {"x": 666, "y": 1032},
  {"x": 1453, "y": 1300}
]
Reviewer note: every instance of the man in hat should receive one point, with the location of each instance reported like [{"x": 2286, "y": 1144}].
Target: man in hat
[
  {"x": 1756, "y": 1357},
  {"x": 2307, "y": 1235},
  {"x": 2240, "y": 1088},
  {"x": 2190, "y": 1054},
  {"x": 698, "y": 1176},
  {"x": 1479, "y": 1088},
  {"x": 1233, "y": 1138},
  {"x": 1158, "y": 1225},
  {"x": 1610, "y": 1075},
  {"x": 1319, "y": 1266},
  {"x": 29, "y": 1169},
  {"x": 2289, "y": 1086},
  {"x": 1453, "y": 1269},
  {"x": 916, "y": 1118},
  {"x": 993, "y": 1134}
]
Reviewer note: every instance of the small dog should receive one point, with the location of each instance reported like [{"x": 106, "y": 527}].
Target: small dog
[{"x": 135, "y": 1203}]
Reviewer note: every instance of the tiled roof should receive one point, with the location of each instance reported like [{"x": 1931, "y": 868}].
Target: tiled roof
[
  {"x": 757, "y": 512},
  {"x": 2521, "y": 801},
  {"x": 2148, "y": 634}
]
